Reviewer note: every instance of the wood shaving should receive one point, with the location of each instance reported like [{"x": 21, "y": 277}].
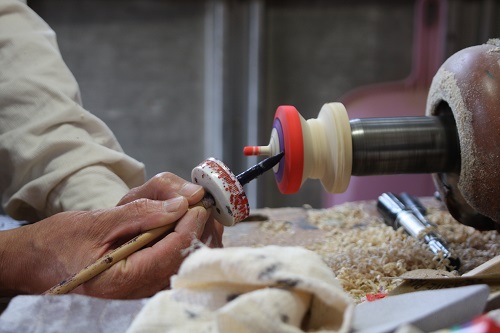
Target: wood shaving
[
  {"x": 276, "y": 226},
  {"x": 366, "y": 255}
]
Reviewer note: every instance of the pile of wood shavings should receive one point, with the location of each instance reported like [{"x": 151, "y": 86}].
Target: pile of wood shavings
[{"x": 366, "y": 255}]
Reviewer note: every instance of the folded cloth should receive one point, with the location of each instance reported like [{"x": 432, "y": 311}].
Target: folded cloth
[{"x": 269, "y": 289}]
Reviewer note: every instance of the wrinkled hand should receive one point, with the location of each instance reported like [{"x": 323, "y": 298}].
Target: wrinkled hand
[
  {"x": 165, "y": 186},
  {"x": 43, "y": 254}
]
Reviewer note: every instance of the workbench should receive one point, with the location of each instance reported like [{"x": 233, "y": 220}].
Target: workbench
[{"x": 366, "y": 255}]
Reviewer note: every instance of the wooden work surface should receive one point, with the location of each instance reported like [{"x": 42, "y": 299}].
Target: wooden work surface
[{"x": 290, "y": 225}]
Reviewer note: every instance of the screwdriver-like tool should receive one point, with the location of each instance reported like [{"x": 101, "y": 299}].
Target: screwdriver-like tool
[
  {"x": 147, "y": 237},
  {"x": 258, "y": 169},
  {"x": 407, "y": 212}
]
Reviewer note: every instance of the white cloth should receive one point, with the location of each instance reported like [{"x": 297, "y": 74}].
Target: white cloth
[
  {"x": 269, "y": 289},
  {"x": 55, "y": 155}
]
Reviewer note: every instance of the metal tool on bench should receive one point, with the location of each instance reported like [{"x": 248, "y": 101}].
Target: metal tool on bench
[{"x": 408, "y": 213}]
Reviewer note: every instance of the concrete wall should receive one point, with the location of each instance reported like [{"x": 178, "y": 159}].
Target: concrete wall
[{"x": 179, "y": 81}]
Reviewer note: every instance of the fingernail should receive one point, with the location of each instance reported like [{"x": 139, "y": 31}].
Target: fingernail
[
  {"x": 189, "y": 189},
  {"x": 201, "y": 217},
  {"x": 203, "y": 214},
  {"x": 173, "y": 205}
]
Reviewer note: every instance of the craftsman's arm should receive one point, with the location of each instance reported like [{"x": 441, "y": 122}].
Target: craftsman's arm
[{"x": 55, "y": 155}]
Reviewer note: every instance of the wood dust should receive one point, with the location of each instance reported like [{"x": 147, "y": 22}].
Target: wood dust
[{"x": 366, "y": 255}]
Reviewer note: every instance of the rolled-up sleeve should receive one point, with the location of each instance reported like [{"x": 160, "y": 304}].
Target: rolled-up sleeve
[{"x": 54, "y": 155}]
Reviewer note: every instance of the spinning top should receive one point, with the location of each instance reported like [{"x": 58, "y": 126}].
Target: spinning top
[{"x": 225, "y": 190}]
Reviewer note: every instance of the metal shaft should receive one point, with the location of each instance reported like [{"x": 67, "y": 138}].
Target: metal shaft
[
  {"x": 404, "y": 145},
  {"x": 258, "y": 169}
]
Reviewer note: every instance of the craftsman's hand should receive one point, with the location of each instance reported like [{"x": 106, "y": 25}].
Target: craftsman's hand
[
  {"x": 36, "y": 257},
  {"x": 165, "y": 186},
  {"x": 43, "y": 254}
]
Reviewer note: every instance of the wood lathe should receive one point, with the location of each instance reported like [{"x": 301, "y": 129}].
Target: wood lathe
[{"x": 458, "y": 140}]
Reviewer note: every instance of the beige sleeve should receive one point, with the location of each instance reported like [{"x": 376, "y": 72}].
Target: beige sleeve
[{"x": 55, "y": 156}]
